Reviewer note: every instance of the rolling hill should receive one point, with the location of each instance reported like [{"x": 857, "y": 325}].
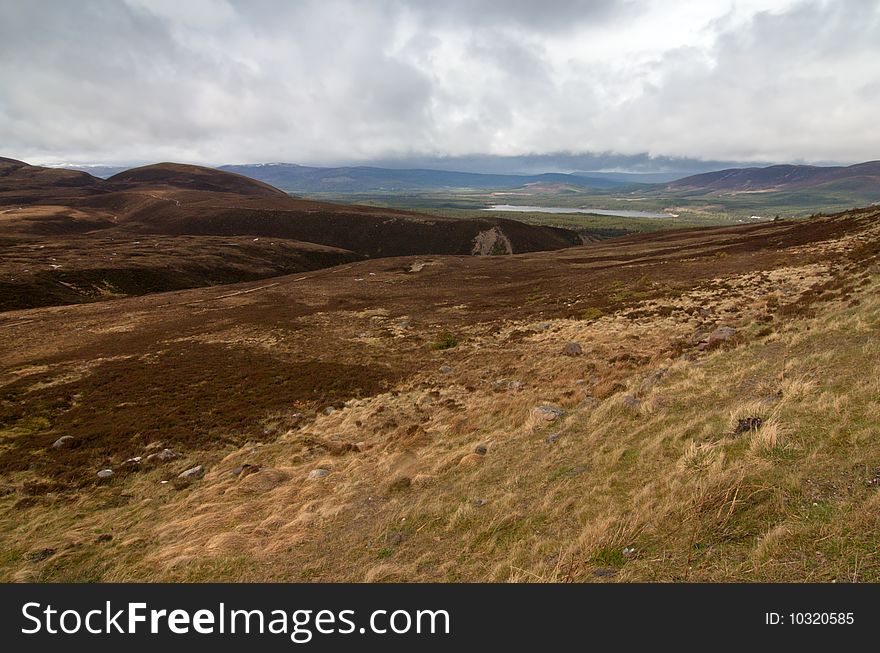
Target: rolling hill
[
  {"x": 297, "y": 178},
  {"x": 69, "y": 236},
  {"x": 780, "y": 178}
]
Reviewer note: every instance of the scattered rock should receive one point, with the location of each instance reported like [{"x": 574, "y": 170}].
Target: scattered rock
[
  {"x": 629, "y": 552},
  {"x": 192, "y": 473},
  {"x": 544, "y": 326},
  {"x": 105, "y": 473},
  {"x": 63, "y": 441},
  {"x": 516, "y": 385},
  {"x": 445, "y": 369},
  {"x": 479, "y": 503},
  {"x": 748, "y": 424},
  {"x": 547, "y": 413},
  {"x": 315, "y": 474},
  {"x": 720, "y": 335},
  {"x": 573, "y": 349},
  {"x": 162, "y": 456},
  {"x": 471, "y": 460},
  {"x": 134, "y": 462},
  {"x": 329, "y": 410},
  {"x": 38, "y": 555},
  {"x": 553, "y": 438},
  {"x": 480, "y": 449}
]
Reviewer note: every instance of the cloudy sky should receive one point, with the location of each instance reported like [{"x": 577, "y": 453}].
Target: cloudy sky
[{"x": 338, "y": 82}]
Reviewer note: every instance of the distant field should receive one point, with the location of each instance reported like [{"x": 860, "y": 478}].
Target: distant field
[{"x": 691, "y": 209}]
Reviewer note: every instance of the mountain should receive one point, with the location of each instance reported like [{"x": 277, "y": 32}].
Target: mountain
[
  {"x": 859, "y": 177},
  {"x": 190, "y": 177},
  {"x": 70, "y": 237},
  {"x": 296, "y": 178},
  {"x": 631, "y": 177}
]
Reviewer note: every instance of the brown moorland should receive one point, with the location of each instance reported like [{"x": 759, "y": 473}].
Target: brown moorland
[
  {"x": 422, "y": 418},
  {"x": 67, "y": 237}
]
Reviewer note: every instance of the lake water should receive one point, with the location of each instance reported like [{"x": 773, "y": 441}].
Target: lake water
[{"x": 622, "y": 213}]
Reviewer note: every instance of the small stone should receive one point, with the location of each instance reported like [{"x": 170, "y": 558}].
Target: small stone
[
  {"x": 315, "y": 474},
  {"x": 544, "y": 326},
  {"x": 105, "y": 473},
  {"x": 573, "y": 349},
  {"x": 445, "y": 369},
  {"x": 553, "y": 438},
  {"x": 479, "y": 503},
  {"x": 192, "y": 473},
  {"x": 547, "y": 413},
  {"x": 603, "y": 572},
  {"x": 395, "y": 539},
  {"x": 329, "y": 410},
  {"x": 629, "y": 552},
  {"x": 480, "y": 449},
  {"x": 63, "y": 441},
  {"x": 516, "y": 385}
]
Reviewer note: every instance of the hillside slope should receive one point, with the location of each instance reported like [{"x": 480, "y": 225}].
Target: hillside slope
[
  {"x": 862, "y": 176},
  {"x": 427, "y": 419},
  {"x": 68, "y": 237},
  {"x": 297, "y": 178}
]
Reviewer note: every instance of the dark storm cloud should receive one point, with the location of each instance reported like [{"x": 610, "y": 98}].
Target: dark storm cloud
[{"x": 656, "y": 84}]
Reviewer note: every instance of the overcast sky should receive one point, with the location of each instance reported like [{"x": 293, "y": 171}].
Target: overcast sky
[{"x": 336, "y": 82}]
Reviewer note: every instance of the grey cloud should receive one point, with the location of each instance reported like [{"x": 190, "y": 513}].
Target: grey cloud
[{"x": 341, "y": 81}]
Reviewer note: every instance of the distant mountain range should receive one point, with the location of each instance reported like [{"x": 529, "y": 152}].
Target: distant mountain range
[
  {"x": 856, "y": 178},
  {"x": 296, "y": 178},
  {"x": 861, "y": 180}
]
